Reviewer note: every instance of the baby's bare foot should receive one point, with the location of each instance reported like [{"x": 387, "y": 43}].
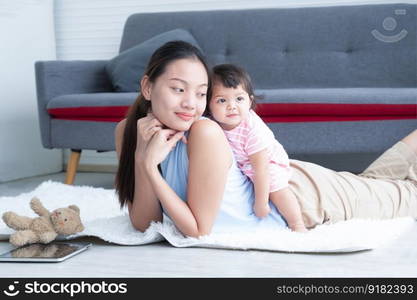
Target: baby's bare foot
[{"x": 299, "y": 228}]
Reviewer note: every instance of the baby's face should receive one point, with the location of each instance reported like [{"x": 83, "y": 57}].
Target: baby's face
[{"x": 229, "y": 106}]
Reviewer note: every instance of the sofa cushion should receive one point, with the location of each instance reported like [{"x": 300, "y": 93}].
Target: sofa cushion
[
  {"x": 126, "y": 69},
  {"x": 337, "y": 104},
  {"x": 283, "y": 105},
  {"x": 340, "y": 95},
  {"x": 299, "y": 47}
]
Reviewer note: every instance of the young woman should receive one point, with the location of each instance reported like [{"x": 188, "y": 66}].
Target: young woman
[{"x": 198, "y": 184}]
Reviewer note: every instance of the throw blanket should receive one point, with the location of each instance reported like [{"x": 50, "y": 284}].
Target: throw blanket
[{"x": 103, "y": 218}]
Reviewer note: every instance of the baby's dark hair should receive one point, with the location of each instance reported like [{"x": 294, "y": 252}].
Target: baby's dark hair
[{"x": 231, "y": 76}]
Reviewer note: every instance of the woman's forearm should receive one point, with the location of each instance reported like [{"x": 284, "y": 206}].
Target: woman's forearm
[
  {"x": 176, "y": 208},
  {"x": 145, "y": 207}
]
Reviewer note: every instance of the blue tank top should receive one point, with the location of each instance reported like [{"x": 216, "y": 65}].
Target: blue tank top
[{"x": 236, "y": 208}]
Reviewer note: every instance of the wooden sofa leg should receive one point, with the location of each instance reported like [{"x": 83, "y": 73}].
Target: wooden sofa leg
[{"x": 72, "y": 166}]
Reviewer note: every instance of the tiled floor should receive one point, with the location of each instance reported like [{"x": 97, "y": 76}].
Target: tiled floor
[{"x": 398, "y": 259}]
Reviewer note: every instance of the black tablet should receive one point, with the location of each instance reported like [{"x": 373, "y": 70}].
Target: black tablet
[{"x": 52, "y": 252}]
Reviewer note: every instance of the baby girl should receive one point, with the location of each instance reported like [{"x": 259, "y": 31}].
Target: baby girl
[{"x": 259, "y": 155}]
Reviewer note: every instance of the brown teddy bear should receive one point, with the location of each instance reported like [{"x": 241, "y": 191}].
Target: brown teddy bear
[{"x": 46, "y": 227}]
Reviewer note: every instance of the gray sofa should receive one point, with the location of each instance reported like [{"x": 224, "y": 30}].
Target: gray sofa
[{"x": 339, "y": 83}]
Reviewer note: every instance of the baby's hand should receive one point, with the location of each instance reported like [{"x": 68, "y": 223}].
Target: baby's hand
[{"x": 261, "y": 210}]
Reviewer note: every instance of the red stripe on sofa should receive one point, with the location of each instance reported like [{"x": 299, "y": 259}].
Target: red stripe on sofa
[
  {"x": 95, "y": 112},
  {"x": 333, "y": 112},
  {"x": 335, "y": 109},
  {"x": 270, "y": 112}
]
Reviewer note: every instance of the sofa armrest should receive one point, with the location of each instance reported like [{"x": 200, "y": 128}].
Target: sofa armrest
[{"x": 55, "y": 78}]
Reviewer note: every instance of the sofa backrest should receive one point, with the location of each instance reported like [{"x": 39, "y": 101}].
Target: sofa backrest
[{"x": 300, "y": 47}]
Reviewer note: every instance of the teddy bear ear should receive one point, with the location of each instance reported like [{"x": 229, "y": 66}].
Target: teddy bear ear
[{"x": 75, "y": 208}]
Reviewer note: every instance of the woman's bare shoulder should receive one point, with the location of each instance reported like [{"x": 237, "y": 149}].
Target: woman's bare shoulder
[
  {"x": 206, "y": 128},
  {"x": 208, "y": 139}
]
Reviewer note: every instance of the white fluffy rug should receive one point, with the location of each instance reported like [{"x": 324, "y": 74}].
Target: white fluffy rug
[{"x": 102, "y": 217}]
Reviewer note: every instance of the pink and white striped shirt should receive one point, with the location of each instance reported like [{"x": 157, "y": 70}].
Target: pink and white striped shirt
[{"x": 253, "y": 135}]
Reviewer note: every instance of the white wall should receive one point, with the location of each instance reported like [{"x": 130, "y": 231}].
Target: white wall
[
  {"x": 92, "y": 30},
  {"x": 26, "y": 35}
]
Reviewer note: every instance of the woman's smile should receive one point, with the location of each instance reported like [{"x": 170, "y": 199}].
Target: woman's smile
[{"x": 185, "y": 116}]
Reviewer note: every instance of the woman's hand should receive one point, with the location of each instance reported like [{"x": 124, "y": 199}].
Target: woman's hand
[
  {"x": 161, "y": 143},
  {"x": 146, "y": 128}
]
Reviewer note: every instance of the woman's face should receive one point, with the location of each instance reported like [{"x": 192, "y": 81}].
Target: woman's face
[{"x": 178, "y": 96}]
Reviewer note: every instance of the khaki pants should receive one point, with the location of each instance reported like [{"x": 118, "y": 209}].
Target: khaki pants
[{"x": 386, "y": 189}]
